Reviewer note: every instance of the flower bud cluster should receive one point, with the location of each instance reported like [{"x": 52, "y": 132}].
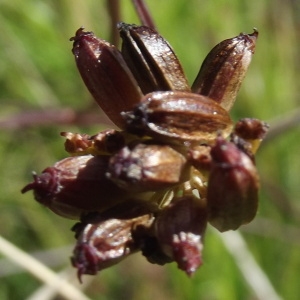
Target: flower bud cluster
[{"x": 177, "y": 163}]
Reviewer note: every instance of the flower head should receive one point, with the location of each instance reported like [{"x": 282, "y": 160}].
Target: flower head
[{"x": 177, "y": 163}]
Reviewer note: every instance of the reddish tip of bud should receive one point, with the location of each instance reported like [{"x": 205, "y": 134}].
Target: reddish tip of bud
[
  {"x": 76, "y": 185},
  {"x": 44, "y": 185},
  {"x": 179, "y": 229},
  {"x": 85, "y": 260},
  {"x": 187, "y": 251},
  {"x": 251, "y": 39},
  {"x": 84, "y": 38},
  {"x": 225, "y": 152}
]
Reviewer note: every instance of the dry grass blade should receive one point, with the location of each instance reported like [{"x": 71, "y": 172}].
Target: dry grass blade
[
  {"x": 254, "y": 276},
  {"x": 282, "y": 124},
  {"x": 40, "y": 271},
  {"x": 47, "y": 292}
]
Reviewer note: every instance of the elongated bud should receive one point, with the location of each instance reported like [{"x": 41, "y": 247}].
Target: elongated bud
[
  {"x": 76, "y": 185},
  {"x": 102, "y": 245},
  {"x": 151, "y": 59},
  {"x": 232, "y": 192},
  {"x": 148, "y": 168},
  {"x": 179, "y": 230},
  {"x": 224, "y": 69},
  {"x": 106, "y": 75},
  {"x": 179, "y": 116}
]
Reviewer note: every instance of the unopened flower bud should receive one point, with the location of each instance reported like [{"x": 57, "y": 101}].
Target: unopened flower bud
[
  {"x": 106, "y": 75},
  {"x": 151, "y": 59},
  {"x": 179, "y": 229},
  {"x": 232, "y": 192},
  {"x": 178, "y": 117},
  {"x": 147, "y": 167},
  {"x": 76, "y": 185},
  {"x": 224, "y": 69},
  {"x": 102, "y": 245}
]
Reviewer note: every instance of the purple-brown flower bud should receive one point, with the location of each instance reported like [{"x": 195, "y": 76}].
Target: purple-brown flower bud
[
  {"x": 179, "y": 229},
  {"x": 178, "y": 117},
  {"x": 151, "y": 59},
  {"x": 224, "y": 69},
  {"x": 76, "y": 185},
  {"x": 106, "y": 75},
  {"x": 102, "y": 245},
  {"x": 147, "y": 167},
  {"x": 232, "y": 192}
]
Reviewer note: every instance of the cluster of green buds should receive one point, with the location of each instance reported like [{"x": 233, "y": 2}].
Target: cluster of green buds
[{"x": 177, "y": 163}]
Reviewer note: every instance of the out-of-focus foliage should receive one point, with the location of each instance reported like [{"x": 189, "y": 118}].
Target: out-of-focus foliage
[{"x": 37, "y": 71}]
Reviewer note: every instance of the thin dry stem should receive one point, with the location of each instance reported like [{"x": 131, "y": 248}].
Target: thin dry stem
[
  {"x": 143, "y": 13},
  {"x": 254, "y": 276},
  {"x": 47, "y": 292},
  {"x": 40, "y": 271},
  {"x": 113, "y": 7},
  {"x": 51, "y": 258},
  {"x": 280, "y": 125},
  {"x": 53, "y": 117}
]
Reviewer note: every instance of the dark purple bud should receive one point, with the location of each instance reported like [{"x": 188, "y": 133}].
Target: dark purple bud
[
  {"x": 102, "y": 245},
  {"x": 76, "y": 185},
  {"x": 224, "y": 69},
  {"x": 106, "y": 75},
  {"x": 151, "y": 59},
  {"x": 179, "y": 229},
  {"x": 232, "y": 192}
]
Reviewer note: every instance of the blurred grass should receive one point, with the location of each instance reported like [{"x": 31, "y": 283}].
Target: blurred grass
[{"x": 37, "y": 72}]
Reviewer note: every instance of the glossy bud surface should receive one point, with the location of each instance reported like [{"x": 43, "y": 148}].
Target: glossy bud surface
[{"x": 179, "y": 116}]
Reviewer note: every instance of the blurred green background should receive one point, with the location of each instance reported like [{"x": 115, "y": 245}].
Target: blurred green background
[{"x": 39, "y": 82}]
